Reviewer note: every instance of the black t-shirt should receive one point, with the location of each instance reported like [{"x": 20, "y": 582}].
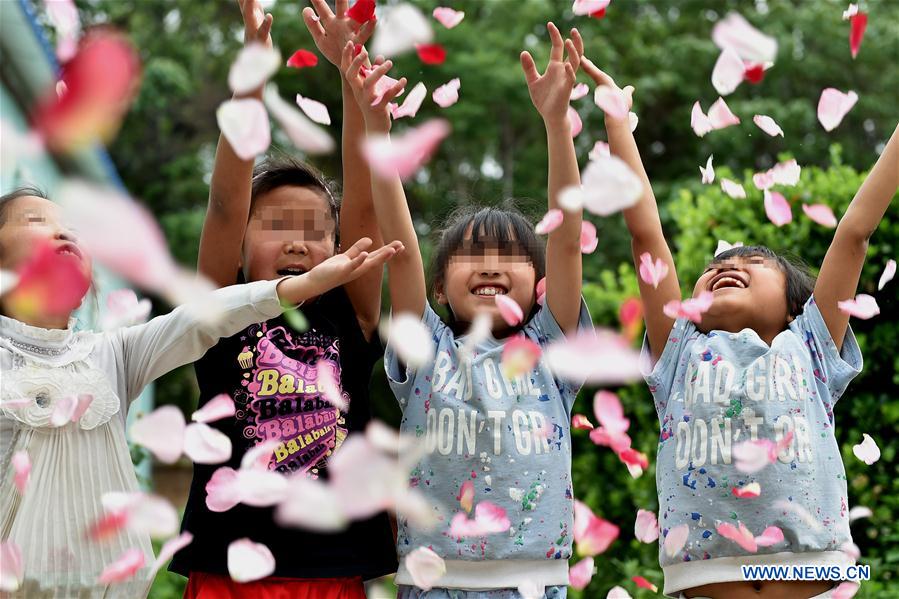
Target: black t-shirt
[{"x": 269, "y": 371}]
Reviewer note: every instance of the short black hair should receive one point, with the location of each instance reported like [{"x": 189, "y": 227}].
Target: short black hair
[
  {"x": 800, "y": 282},
  {"x": 499, "y": 225},
  {"x": 6, "y": 199},
  {"x": 278, "y": 171}
]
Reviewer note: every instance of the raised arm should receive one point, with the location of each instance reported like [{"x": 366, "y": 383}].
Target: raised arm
[
  {"x": 551, "y": 93},
  {"x": 644, "y": 224},
  {"x": 232, "y": 178},
  {"x": 331, "y": 32},
  {"x": 842, "y": 267},
  {"x": 406, "y": 277}
]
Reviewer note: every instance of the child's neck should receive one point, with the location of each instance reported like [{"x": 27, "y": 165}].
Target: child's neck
[{"x": 45, "y": 321}]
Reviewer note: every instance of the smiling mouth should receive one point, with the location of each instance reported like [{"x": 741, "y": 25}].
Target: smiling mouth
[
  {"x": 489, "y": 290},
  {"x": 728, "y": 282},
  {"x": 69, "y": 249},
  {"x": 291, "y": 271}
]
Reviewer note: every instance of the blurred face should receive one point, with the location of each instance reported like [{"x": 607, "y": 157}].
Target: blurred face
[
  {"x": 477, "y": 273},
  {"x": 29, "y": 221},
  {"x": 748, "y": 291},
  {"x": 290, "y": 232}
]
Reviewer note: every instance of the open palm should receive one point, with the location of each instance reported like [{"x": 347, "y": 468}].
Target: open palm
[
  {"x": 551, "y": 91},
  {"x": 332, "y": 30}
]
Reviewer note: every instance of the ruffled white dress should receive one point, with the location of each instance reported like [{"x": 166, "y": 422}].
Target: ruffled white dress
[{"x": 75, "y": 464}]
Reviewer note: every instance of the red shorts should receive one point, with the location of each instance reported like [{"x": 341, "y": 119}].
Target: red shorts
[{"x": 201, "y": 585}]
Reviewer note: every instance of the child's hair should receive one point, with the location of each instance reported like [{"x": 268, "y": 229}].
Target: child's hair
[
  {"x": 7, "y": 199},
  {"x": 502, "y": 226},
  {"x": 800, "y": 282},
  {"x": 282, "y": 170}
]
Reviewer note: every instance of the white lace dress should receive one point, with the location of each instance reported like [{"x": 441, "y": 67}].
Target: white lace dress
[{"x": 75, "y": 464}]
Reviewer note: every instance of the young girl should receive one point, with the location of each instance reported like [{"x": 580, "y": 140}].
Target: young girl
[
  {"x": 767, "y": 362},
  {"x": 283, "y": 219},
  {"x": 44, "y": 362},
  {"x": 507, "y": 436}
]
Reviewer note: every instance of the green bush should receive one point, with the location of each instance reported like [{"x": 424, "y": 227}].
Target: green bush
[{"x": 699, "y": 216}]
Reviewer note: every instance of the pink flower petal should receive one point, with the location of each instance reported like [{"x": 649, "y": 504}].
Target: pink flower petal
[
  {"x": 652, "y": 271},
  {"x": 721, "y": 116},
  {"x": 248, "y": 561},
  {"x": 857, "y": 24},
  {"x": 21, "y": 464},
  {"x": 124, "y": 309},
  {"x": 302, "y": 132},
  {"x": 489, "y": 519},
  {"x": 676, "y": 539},
  {"x": 122, "y": 569},
  {"x": 314, "y": 109},
  {"x": 618, "y": 440},
  {"x": 328, "y": 384},
  {"x": 574, "y": 121},
  {"x": 748, "y": 491},
  {"x": 302, "y": 59},
  {"x": 449, "y": 18},
  {"x": 588, "y": 7},
  {"x": 162, "y": 432},
  {"x": 541, "y": 290},
  {"x": 768, "y": 125},
  {"x": 519, "y": 356},
  {"x": 699, "y": 121},
  {"x": 425, "y": 567},
  {"x": 244, "y": 123},
  {"x": 821, "y": 214},
  {"x": 646, "y": 527},
  {"x": 733, "y": 189},
  {"x": 206, "y": 445},
  {"x": 589, "y": 241},
  {"x": 49, "y": 282},
  {"x": 609, "y": 412},
  {"x": 222, "y": 490},
  {"x": 777, "y": 208},
  {"x": 858, "y": 512},
  {"x": 447, "y": 94},
  {"x": 509, "y": 309},
  {"x": 433, "y": 54},
  {"x": 889, "y": 272},
  {"x": 833, "y": 106},
  {"x": 168, "y": 550},
  {"x": 550, "y": 222},
  {"x": 867, "y": 451},
  {"x": 579, "y": 91},
  {"x": 598, "y": 357},
  {"x": 400, "y": 29},
  {"x": 410, "y": 106},
  {"x": 143, "y": 513},
  {"x": 404, "y": 154},
  {"x": 770, "y": 536},
  {"x": 466, "y": 496},
  {"x": 411, "y": 340},
  {"x": 851, "y": 11},
  {"x": 723, "y": 246},
  {"x": 644, "y": 584},
  {"x": 749, "y": 43},
  {"x": 617, "y": 592},
  {"x": 11, "y": 567},
  {"x": 611, "y": 100},
  {"x": 63, "y": 410},
  {"x": 863, "y": 306},
  {"x": 220, "y": 406},
  {"x": 580, "y": 574},
  {"x": 763, "y": 181},
  {"x": 608, "y": 185},
  {"x": 728, "y": 72},
  {"x": 708, "y": 173},
  {"x": 752, "y": 456},
  {"x": 581, "y": 422},
  {"x": 254, "y": 64},
  {"x": 692, "y": 308},
  {"x": 600, "y": 150},
  {"x": 311, "y": 504},
  {"x": 739, "y": 535},
  {"x": 786, "y": 173},
  {"x": 592, "y": 534}
]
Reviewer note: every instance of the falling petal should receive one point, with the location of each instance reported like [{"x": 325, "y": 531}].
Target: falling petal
[
  {"x": 867, "y": 451},
  {"x": 592, "y": 534},
  {"x": 770, "y": 536},
  {"x": 63, "y": 410},
  {"x": 447, "y": 94},
  {"x": 50, "y": 282},
  {"x": 21, "y": 464},
  {"x": 412, "y": 103},
  {"x": 244, "y": 123},
  {"x": 63, "y": 15},
  {"x": 763, "y": 181},
  {"x": 580, "y": 574},
  {"x": 617, "y": 592},
  {"x": 488, "y": 519},
  {"x": 786, "y": 173},
  {"x": 303, "y": 133},
  {"x": 432, "y": 54},
  {"x": 478, "y": 331},
  {"x": 589, "y": 7},
  {"x": 733, "y": 189},
  {"x": 889, "y": 272},
  {"x": 851, "y": 11},
  {"x": 248, "y": 561},
  {"x": 752, "y": 456},
  {"x": 362, "y": 11},
  {"x": 329, "y": 385},
  {"x": 579, "y": 91},
  {"x": 754, "y": 72},
  {"x": 845, "y": 590},
  {"x": 589, "y": 240},
  {"x": 721, "y": 116},
  {"x": 314, "y": 109},
  {"x": 600, "y": 149},
  {"x": 311, "y": 504},
  {"x": 632, "y": 120},
  {"x": 574, "y": 121},
  {"x": 301, "y": 59},
  {"x": 122, "y": 569},
  {"x": 520, "y": 355},
  {"x": 466, "y": 496},
  {"x": 206, "y": 445},
  {"x": 404, "y": 154},
  {"x": 143, "y": 513},
  {"x": 609, "y": 412},
  {"x": 739, "y": 535},
  {"x": 411, "y": 340},
  {"x": 11, "y": 567},
  {"x": 699, "y": 122},
  {"x": 708, "y": 173},
  {"x": 821, "y": 214},
  {"x": 611, "y": 100},
  {"x": 400, "y": 29},
  {"x": 749, "y": 491},
  {"x": 581, "y": 422},
  {"x": 509, "y": 309},
  {"x": 550, "y": 222},
  {"x": 541, "y": 290},
  {"x": 168, "y": 550},
  {"x": 448, "y": 17},
  {"x": 646, "y": 527},
  {"x": 124, "y": 309},
  {"x": 860, "y": 511},
  {"x": 220, "y": 406},
  {"x": 833, "y": 106},
  {"x": 608, "y": 186},
  {"x": 777, "y": 208},
  {"x": 254, "y": 64},
  {"x": 768, "y": 125},
  {"x": 857, "y": 24},
  {"x": 425, "y": 567},
  {"x": 652, "y": 271},
  {"x": 597, "y": 357},
  {"x": 692, "y": 308},
  {"x": 728, "y": 72},
  {"x": 749, "y": 43},
  {"x": 644, "y": 584},
  {"x": 863, "y": 306},
  {"x": 162, "y": 432},
  {"x": 222, "y": 490}
]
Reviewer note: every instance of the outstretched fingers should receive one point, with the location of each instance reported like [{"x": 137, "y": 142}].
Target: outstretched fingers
[
  {"x": 313, "y": 24},
  {"x": 598, "y": 76},
  {"x": 323, "y": 10},
  {"x": 358, "y": 248},
  {"x": 573, "y": 58},
  {"x": 556, "y": 52},
  {"x": 529, "y": 67}
]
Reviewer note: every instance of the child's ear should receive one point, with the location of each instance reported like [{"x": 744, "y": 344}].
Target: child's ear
[{"x": 440, "y": 294}]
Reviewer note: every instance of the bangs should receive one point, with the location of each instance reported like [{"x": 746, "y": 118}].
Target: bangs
[
  {"x": 489, "y": 229},
  {"x": 749, "y": 251}
]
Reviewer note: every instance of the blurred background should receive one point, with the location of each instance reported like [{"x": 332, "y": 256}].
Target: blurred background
[{"x": 164, "y": 153}]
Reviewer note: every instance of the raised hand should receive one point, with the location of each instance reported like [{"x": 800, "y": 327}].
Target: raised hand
[
  {"x": 551, "y": 91},
  {"x": 332, "y": 30},
  {"x": 351, "y": 264},
  {"x": 602, "y": 78},
  {"x": 257, "y": 25},
  {"x": 371, "y": 93}
]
